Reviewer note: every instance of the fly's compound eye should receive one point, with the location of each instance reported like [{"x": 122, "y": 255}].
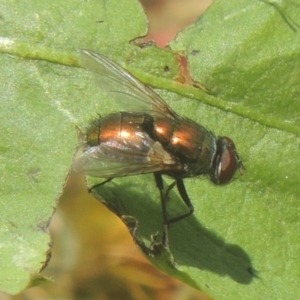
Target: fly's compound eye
[{"x": 226, "y": 161}]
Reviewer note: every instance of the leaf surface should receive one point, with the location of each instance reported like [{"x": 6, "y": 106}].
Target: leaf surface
[{"x": 242, "y": 240}]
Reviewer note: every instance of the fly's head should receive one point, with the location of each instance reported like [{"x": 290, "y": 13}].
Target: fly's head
[{"x": 226, "y": 161}]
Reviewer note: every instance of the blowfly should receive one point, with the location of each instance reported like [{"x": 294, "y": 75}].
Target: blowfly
[{"x": 147, "y": 136}]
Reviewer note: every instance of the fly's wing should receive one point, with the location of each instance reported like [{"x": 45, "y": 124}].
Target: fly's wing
[
  {"x": 128, "y": 92},
  {"x": 123, "y": 157}
]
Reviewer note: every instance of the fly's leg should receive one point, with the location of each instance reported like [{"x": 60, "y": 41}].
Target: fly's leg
[
  {"x": 170, "y": 187},
  {"x": 90, "y": 190},
  {"x": 163, "y": 196},
  {"x": 185, "y": 197},
  {"x": 160, "y": 186}
]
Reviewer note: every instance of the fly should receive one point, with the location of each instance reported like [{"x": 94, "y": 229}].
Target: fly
[{"x": 147, "y": 136}]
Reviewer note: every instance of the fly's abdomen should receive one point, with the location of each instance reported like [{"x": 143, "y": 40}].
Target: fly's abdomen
[
  {"x": 121, "y": 125},
  {"x": 119, "y": 144}
]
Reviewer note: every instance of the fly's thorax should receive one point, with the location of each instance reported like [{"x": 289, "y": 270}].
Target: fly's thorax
[{"x": 190, "y": 142}]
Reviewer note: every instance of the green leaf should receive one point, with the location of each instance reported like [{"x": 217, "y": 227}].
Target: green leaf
[
  {"x": 247, "y": 55},
  {"x": 242, "y": 240},
  {"x": 41, "y": 103}
]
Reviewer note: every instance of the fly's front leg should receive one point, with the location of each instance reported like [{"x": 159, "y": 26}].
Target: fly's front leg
[{"x": 185, "y": 197}]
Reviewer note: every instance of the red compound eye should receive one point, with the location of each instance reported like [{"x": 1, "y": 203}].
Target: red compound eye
[{"x": 226, "y": 161}]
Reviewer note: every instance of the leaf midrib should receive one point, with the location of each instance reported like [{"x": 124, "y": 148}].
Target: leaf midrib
[{"x": 70, "y": 59}]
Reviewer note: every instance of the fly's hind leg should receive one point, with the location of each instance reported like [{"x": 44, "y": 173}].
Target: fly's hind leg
[{"x": 90, "y": 190}]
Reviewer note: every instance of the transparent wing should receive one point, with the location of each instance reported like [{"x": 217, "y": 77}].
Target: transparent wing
[
  {"x": 128, "y": 92},
  {"x": 118, "y": 157}
]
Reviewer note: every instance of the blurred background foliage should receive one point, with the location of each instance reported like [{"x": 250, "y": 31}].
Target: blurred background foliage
[{"x": 93, "y": 255}]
